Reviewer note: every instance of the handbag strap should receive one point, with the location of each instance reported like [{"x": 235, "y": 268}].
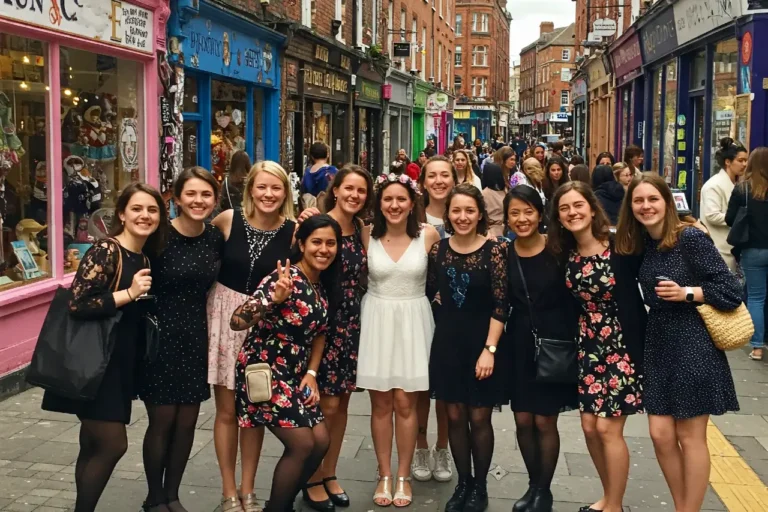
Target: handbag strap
[
  {"x": 226, "y": 189},
  {"x": 527, "y": 297},
  {"x": 119, "y": 273}
]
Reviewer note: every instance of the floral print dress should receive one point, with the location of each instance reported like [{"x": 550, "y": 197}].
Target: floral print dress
[
  {"x": 609, "y": 384},
  {"x": 283, "y": 338},
  {"x": 338, "y": 368}
]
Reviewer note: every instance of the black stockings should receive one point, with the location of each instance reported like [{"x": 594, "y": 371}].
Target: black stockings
[
  {"x": 102, "y": 445},
  {"x": 167, "y": 445},
  {"x": 470, "y": 434},
  {"x": 539, "y": 442},
  {"x": 305, "y": 449}
]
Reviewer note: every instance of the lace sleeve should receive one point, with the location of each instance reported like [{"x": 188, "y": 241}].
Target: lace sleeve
[
  {"x": 499, "y": 252},
  {"x": 92, "y": 287},
  {"x": 432, "y": 266}
]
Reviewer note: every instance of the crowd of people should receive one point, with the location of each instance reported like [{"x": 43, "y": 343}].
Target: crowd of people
[{"x": 443, "y": 283}]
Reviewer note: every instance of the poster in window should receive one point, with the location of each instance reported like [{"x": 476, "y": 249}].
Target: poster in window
[
  {"x": 742, "y": 116},
  {"x": 129, "y": 144}
]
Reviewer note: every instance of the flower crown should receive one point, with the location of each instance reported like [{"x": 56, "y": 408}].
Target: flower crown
[{"x": 403, "y": 179}]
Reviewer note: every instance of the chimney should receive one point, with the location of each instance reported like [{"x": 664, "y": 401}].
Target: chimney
[{"x": 546, "y": 27}]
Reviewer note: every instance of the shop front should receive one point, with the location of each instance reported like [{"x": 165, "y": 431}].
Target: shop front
[
  {"x": 601, "y": 108},
  {"x": 398, "y": 121},
  {"x": 440, "y": 120},
  {"x": 79, "y": 116},
  {"x": 230, "y": 71},
  {"x": 474, "y": 121},
  {"x": 579, "y": 95},
  {"x": 525, "y": 124},
  {"x": 627, "y": 61},
  {"x": 368, "y": 123},
  {"x": 420, "y": 94},
  {"x": 503, "y": 124}
]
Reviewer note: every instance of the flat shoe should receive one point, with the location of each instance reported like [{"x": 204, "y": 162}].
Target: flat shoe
[
  {"x": 400, "y": 492},
  {"x": 249, "y": 503},
  {"x": 386, "y": 494},
  {"x": 341, "y": 499},
  {"x": 231, "y": 504},
  {"x": 754, "y": 357}
]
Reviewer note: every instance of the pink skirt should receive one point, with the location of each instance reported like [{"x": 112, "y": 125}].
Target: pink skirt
[{"x": 224, "y": 344}]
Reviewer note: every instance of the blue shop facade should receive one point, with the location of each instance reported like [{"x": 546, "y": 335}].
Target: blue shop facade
[
  {"x": 700, "y": 81},
  {"x": 228, "y": 77}
]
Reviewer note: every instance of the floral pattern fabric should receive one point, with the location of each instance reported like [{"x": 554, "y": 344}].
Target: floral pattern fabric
[
  {"x": 609, "y": 384},
  {"x": 338, "y": 368},
  {"x": 283, "y": 338}
]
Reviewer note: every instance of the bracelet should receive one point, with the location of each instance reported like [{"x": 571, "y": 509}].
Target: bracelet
[
  {"x": 312, "y": 373},
  {"x": 128, "y": 291}
]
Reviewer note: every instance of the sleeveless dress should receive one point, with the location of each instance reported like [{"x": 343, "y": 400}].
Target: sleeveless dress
[
  {"x": 396, "y": 321},
  {"x": 338, "y": 368}
]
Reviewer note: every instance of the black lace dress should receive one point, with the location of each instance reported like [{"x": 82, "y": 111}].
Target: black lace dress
[
  {"x": 92, "y": 298},
  {"x": 472, "y": 289}
]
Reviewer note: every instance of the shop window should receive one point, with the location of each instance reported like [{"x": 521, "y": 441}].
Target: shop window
[
  {"x": 191, "y": 98},
  {"x": 724, "y": 85},
  {"x": 228, "y": 134},
  {"x": 24, "y": 211},
  {"x": 258, "y": 132},
  {"x": 102, "y": 141},
  {"x": 670, "y": 119},
  {"x": 657, "y": 119},
  {"x": 699, "y": 71}
]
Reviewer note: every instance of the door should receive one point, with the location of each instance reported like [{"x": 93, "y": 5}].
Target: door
[{"x": 697, "y": 108}]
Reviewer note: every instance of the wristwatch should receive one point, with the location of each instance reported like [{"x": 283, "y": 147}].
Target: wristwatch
[
  {"x": 491, "y": 348},
  {"x": 688, "y": 294}
]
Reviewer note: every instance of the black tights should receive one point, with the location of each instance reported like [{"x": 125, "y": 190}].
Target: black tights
[
  {"x": 305, "y": 449},
  {"x": 539, "y": 442},
  {"x": 102, "y": 445},
  {"x": 470, "y": 434},
  {"x": 167, "y": 444}
]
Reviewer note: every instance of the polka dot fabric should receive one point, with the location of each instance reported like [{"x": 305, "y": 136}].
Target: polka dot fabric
[
  {"x": 686, "y": 375},
  {"x": 182, "y": 276}
]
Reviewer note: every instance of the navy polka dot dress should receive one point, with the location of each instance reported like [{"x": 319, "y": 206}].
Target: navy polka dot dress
[
  {"x": 182, "y": 276},
  {"x": 686, "y": 375}
]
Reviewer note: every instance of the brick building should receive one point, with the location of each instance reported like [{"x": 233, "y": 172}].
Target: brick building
[{"x": 482, "y": 63}]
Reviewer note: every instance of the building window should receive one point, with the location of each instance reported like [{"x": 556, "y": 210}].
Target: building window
[
  {"x": 479, "y": 22},
  {"x": 458, "y": 24},
  {"x": 448, "y": 11},
  {"x": 457, "y": 85},
  {"x": 480, "y": 55},
  {"x": 340, "y": 5},
  {"x": 390, "y": 26},
  {"x": 375, "y": 23},
  {"x": 565, "y": 98},
  {"x": 457, "y": 57},
  {"x": 439, "y": 76},
  {"x": 414, "y": 42},
  {"x": 306, "y": 13},
  {"x": 724, "y": 86},
  {"x": 566, "y": 55},
  {"x": 359, "y": 25},
  {"x": 424, "y": 53},
  {"x": 440, "y": 8},
  {"x": 479, "y": 86}
]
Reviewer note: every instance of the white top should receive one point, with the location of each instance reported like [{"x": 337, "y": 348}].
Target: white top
[{"x": 715, "y": 195}]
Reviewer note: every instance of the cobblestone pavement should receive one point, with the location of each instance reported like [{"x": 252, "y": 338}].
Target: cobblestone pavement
[{"x": 38, "y": 451}]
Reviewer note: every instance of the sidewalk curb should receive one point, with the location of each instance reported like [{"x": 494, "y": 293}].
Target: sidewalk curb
[{"x": 13, "y": 383}]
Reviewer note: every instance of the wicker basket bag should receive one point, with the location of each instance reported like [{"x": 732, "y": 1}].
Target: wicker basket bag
[{"x": 729, "y": 329}]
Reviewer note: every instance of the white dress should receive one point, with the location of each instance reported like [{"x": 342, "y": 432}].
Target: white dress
[{"x": 396, "y": 324}]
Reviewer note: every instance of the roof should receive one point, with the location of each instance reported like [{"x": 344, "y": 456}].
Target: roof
[{"x": 562, "y": 36}]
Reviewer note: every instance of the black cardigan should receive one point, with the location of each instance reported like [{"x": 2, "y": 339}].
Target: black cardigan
[{"x": 757, "y": 213}]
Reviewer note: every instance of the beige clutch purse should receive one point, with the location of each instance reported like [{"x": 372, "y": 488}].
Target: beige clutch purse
[{"x": 258, "y": 382}]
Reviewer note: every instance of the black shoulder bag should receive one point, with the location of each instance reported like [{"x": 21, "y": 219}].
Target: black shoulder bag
[{"x": 556, "y": 360}]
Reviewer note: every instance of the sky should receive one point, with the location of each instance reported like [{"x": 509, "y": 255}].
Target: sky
[{"x": 528, "y": 14}]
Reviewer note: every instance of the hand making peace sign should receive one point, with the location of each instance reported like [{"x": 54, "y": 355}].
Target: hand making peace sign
[{"x": 284, "y": 284}]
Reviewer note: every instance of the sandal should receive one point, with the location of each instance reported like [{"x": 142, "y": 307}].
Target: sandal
[
  {"x": 249, "y": 503},
  {"x": 386, "y": 494},
  {"x": 231, "y": 504},
  {"x": 753, "y": 357},
  {"x": 400, "y": 492}
]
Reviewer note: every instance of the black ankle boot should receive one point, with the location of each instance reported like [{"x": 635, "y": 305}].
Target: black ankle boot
[
  {"x": 477, "y": 501},
  {"x": 523, "y": 503},
  {"x": 459, "y": 498},
  {"x": 542, "y": 501}
]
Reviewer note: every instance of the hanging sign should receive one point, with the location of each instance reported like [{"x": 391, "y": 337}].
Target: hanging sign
[
  {"x": 604, "y": 27},
  {"x": 114, "y": 22},
  {"x": 402, "y": 49}
]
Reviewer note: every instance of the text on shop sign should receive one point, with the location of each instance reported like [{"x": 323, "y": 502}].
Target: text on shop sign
[{"x": 328, "y": 80}]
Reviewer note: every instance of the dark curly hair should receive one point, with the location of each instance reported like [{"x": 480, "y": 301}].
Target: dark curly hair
[
  {"x": 469, "y": 190},
  {"x": 413, "y": 226}
]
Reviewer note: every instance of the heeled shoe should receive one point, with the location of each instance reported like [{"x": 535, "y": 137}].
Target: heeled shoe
[
  {"x": 325, "y": 505},
  {"x": 400, "y": 492},
  {"x": 386, "y": 494},
  {"x": 341, "y": 499},
  {"x": 459, "y": 498},
  {"x": 522, "y": 504},
  {"x": 542, "y": 501},
  {"x": 477, "y": 500}
]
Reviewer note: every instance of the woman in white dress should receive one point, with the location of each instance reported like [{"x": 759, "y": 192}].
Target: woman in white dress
[{"x": 396, "y": 329}]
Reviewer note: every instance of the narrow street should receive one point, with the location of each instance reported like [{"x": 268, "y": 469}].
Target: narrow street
[{"x": 38, "y": 452}]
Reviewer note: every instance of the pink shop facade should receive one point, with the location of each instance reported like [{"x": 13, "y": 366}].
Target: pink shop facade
[{"x": 79, "y": 89}]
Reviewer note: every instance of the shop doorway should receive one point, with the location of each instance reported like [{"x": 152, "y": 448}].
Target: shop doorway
[{"x": 697, "y": 109}]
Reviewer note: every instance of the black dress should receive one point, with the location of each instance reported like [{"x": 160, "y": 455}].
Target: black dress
[
  {"x": 182, "y": 276},
  {"x": 473, "y": 289},
  {"x": 686, "y": 375},
  {"x": 556, "y": 317},
  {"x": 92, "y": 298}
]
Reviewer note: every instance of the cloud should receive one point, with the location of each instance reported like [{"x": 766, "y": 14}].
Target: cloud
[{"x": 528, "y": 14}]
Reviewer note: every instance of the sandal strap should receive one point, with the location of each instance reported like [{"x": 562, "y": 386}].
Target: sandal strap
[{"x": 231, "y": 504}]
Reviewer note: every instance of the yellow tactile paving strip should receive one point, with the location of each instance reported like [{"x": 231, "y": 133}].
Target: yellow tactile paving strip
[{"x": 733, "y": 480}]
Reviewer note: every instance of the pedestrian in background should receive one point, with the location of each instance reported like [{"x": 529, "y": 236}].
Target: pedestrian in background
[
  {"x": 609, "y": 192},
  {"x": 605, "y": 158},
  {"x": 463, "y": 165},
  {"x": 556, "y": 173},
  {"x": 581, "y": 173},
  {"x": 633, "y": 157},
  {"x": 494, "y": 190},
  {"x": 622, "y": 174},
  {"x": 231, "y": 196},
  {"x": 506, "y": 159}
]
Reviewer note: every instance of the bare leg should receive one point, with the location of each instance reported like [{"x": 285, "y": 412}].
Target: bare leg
[
  {"x": 423, "y": 404},
  {"x": 595, "y": 447},
  {"x": 225, "y": 438},
  {"x": 251, "y": 440},
  {"x": 382, "y": 409},
  {"x": 406, "y": 428},
  {"x": 616, "y": 460},
  {"x": 696, "y": 463},
  {"x": 670, "y": 456}
]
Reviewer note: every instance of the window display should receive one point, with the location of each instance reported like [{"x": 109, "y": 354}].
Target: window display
[
  {"x": 657, "y": 119},
  {"x": 228, "y": 107},
  {"x": 102, "y": 142},
  {"x": 24, "y": 212},
  {"x": 724, "y": 90},
  {"x": 670, "y": 117}
]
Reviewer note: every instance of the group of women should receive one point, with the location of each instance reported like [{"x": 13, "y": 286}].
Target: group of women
[{"x": 421, "y": 303}]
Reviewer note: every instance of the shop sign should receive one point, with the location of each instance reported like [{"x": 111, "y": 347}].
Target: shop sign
[
  {"x": 325, "y": 83},
  {"x": 217, "y": 49},
  {"x": 559, "y": 117},
  {"x": 420, "y": 99},
  {"x": 746, "y": 48},
  {"x": 115, "y": 22},
  {"x": 579, "y": 88},
  {"x": 695, "y": 18},
  {"x": 292, "y": 76},
  {"x": 754, "y": 6},
  {"x": 627, "y": 58},
  {"x": 659, "y": 37},
  {"x": 540, "y": 117},
  {"x": 605, "y": 27},
  {"x": 437, "y": 101},
  {"x": 367, "y": 91}
]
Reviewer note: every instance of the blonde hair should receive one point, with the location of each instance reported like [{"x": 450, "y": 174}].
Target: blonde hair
[
  {"x": 273, "y": 168},
  {"x": 618, "y": 168},
  {"x": 533, "y": 169}
]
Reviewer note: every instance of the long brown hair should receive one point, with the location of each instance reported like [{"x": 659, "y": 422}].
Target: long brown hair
[
  {"x": 630, "y": 234},
  {"x": 156, "y": 241},
  {"x": 469, "y": 174},
  {"x": 561, "y": 241},
  {"x": 757, "y": 173},
  {"x": 550, "y": 185},
  {"x": 500, "y": 157},
  {"x": 330, "y": 197},
  {"x": 465, "y": 189},
  {"x": 413, "y": 223},
  {"x": 239, "y": 167}
]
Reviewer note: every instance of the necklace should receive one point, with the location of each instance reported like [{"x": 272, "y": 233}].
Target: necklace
[{"x": 300, "y": 266}]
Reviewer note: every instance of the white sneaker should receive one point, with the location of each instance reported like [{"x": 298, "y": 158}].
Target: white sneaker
[
  {"x": 443, "y": 465},
  {"x": 420, "y": 466}
]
